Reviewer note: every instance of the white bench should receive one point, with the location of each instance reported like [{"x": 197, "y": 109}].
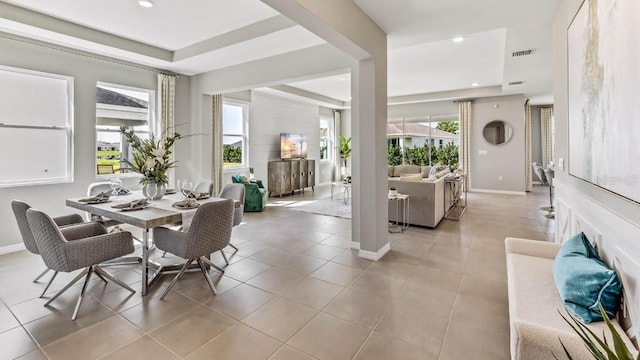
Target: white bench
[{"x": 535, "y": 305}]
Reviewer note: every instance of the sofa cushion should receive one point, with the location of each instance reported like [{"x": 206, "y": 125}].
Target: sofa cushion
[
  {"x": 432, "y": 172},
  {"x": 400, "y": 170},
  {"x": 583, "y": 280},
  {"x": 411, "y": 177},
  {"x": 425, "y": 171},
  {"x": 442, "y": 173}
]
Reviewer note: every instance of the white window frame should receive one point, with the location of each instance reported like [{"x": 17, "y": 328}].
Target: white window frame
[
  {"x": 245, "y": 135},
  {"x": 68, "y": 129},
  {"x": 330, "y": 137},
  {"x": 153, "y": 127}
]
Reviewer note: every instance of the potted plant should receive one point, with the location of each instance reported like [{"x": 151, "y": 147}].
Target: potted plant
[
  {"x": 151, "y": 158},
  {"x": 599, "y": 347}
]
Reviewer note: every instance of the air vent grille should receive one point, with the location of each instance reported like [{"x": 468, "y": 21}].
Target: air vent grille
[
  {"x": 511, "y": 83},
  {"x": 522, "y": 53}
]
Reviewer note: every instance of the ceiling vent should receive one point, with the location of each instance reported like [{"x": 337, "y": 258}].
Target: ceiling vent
[
  {"x": 512, "y": 83},
  {"x": 522, "y": 53}
]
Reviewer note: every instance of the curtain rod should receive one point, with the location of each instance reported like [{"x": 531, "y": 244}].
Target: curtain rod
[{"x": 68, "y": 50}]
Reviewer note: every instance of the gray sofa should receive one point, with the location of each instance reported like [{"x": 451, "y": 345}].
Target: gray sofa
[
  {"x": 535, "y": 305},
  {"x": 426, "y": 197}
]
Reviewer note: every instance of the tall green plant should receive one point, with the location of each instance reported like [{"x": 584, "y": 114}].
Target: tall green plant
[
  {"x": 394, "y": 155},
  {"x": 345, "y": 148},
  {"x": 598, "y": 347}
]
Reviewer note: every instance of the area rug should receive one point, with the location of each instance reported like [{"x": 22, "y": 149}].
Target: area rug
[{"x": 328, "y": 207}]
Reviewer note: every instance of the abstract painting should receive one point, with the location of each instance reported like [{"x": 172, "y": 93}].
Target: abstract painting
[{"x": 604, "y": 95}]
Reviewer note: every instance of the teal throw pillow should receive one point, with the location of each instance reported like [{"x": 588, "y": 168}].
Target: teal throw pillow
[{"x": 583, "y": 280}]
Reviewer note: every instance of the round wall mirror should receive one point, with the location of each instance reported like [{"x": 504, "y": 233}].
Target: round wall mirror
[{"x": 497, "y": 132}]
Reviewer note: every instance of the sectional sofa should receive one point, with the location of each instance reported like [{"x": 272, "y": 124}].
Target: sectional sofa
[{"x": 427, "y": 197}]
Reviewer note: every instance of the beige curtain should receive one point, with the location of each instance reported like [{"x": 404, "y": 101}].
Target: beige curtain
[
  {"x": 217, "y": 163},
  {"x": 464, "y": 114},
  {"x": 546, "y": 119},
  {"x": 166, "y": 114},
  {"x": 527, "y": 144},
  {"x": 337, "y": 162}
]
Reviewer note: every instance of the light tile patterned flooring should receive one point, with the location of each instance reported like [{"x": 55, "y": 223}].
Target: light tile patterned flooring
[{"x": 294, "y": 290}]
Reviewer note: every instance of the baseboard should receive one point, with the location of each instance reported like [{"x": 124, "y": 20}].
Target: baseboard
[
  {"x": 11, "y": 248},
  {"x": 501, "y": 192},
  {"x": 355, "y": 245},
  {"x": 375, "y": 256}
]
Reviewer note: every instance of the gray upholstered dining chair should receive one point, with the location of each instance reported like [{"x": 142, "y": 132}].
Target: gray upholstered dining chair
[
  {"x": 233, "y": 192},
  {"x": 204, "y": 186},
  {"x": 20, "y": 212},
  {"x": 539, "y": 171},
  {"x": 87, "y": 250},
  {"x": 210, "y": 231}
]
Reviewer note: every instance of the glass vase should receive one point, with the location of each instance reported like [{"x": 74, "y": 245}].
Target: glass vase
[{"x": 162, "y": 188}]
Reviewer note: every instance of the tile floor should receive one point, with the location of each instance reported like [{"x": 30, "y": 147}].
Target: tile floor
[{"x": 294, "y": 290}]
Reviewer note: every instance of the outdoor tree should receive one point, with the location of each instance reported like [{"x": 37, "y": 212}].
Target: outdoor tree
[
  {"x": 394, "y": 155},
  {"x": 231, "y": 154},
  {"x": 448, "y": 126}
]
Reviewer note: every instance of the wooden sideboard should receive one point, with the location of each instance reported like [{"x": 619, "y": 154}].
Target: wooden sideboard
[{"x": 287, "y": 176}]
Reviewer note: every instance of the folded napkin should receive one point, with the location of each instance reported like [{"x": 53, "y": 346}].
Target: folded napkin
[
  {"x": 103, "y": 196},
  {"x": 135, "y": 204},
  {"x": 187, "y": 203}
]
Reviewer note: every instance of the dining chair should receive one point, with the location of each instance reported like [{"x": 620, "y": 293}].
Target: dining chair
[
  {"x": 83, "y": 249},
  {"x": 210, "y": 231},
  {"x": 204, "y": 186},
  {"x": 20, "y": 212},
  {"x": 234, "y": 192}
]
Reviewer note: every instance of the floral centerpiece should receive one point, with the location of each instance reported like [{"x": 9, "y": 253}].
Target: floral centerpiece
[{"x": 152, "y": 157}]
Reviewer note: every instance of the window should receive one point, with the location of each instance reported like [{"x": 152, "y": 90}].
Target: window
[
  {"x": 116, "y": 106},
  {"x": 423, "y": 141},
  {"x": 36, "y": 125},
  {"x": 234, "y": 134},
  {"x": 326, "y": 136}
]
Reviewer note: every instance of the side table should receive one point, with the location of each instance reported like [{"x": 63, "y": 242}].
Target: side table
[
  {"x": 346, "y": 190},
  {"x": 454, "y": 187},
  {"x": 400, "y": 226}
]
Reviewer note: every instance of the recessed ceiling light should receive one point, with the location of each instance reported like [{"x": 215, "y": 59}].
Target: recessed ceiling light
[
  {"x": 458, "y": 39},
  {"x": 475, "y": 84},
  {"x": 146, "y": 3}
]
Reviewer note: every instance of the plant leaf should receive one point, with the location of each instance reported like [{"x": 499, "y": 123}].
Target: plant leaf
[{"x": 622, "y": 351}]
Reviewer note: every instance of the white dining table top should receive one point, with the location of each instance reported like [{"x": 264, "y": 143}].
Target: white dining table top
[{"x": 160, "y": 212}]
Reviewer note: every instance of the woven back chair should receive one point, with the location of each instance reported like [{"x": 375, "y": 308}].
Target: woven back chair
[
  {"x": 20, "y": 212},
  {"x": 210, "y": 231},
  {"x": 204, "y": 186},
  {"x": 94, "y": 247}
]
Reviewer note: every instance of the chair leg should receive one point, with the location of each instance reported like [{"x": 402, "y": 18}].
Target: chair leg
[
  {"x": 208, "y": 262},
  {"x": 175, "y": 279},
  {"x": 55, "y": 273},
  {"x": 206, "y": 276},
  {"x": 224, "y": 256},
  {"x": 102, "y": 278},
  {"x": 70, "y": 284},
  {"x": 233, "y": 246},
  {"x": 102, "y": 272},
  {"x": 41, "y": 275},
  {"x": 82, "y": 293}
]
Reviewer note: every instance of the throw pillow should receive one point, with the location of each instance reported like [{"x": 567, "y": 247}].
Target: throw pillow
[
  {"x": 583, "y": 280},
  {"x": 425, "y": 171},
  {"x": 411, "y": 177}
]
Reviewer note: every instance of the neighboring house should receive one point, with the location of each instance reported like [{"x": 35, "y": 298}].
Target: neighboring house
[{"x": 418, "y": 135}]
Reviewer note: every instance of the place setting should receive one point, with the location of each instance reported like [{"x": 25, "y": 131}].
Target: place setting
[{"x": 191, "y": 198}]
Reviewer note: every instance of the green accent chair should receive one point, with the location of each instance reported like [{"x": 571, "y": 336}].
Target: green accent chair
[{"x": 255, "y": 195}]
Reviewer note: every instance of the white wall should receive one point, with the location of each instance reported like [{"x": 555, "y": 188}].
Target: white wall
[
  {"x": 488, "y": 161},
  {"x": 581, "y": 205},
  {"x": 271, "y": 115},
  {"x": 86, "y": 71}
]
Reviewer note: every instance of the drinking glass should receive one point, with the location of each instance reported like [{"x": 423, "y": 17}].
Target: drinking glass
[
  {"x": 152, "y": 191},
  {"x": 186, "y": 187},
  {"x": 116, "y": 185}
]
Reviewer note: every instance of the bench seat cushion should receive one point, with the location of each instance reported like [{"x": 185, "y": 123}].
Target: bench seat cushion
[{"x": 534, "y": 303}]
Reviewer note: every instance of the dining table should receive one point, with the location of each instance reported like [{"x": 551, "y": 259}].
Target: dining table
[{"x": 157, "y": 213}]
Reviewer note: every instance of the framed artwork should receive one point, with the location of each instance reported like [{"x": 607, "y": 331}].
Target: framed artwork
[{"x": 604, "y": 95}]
